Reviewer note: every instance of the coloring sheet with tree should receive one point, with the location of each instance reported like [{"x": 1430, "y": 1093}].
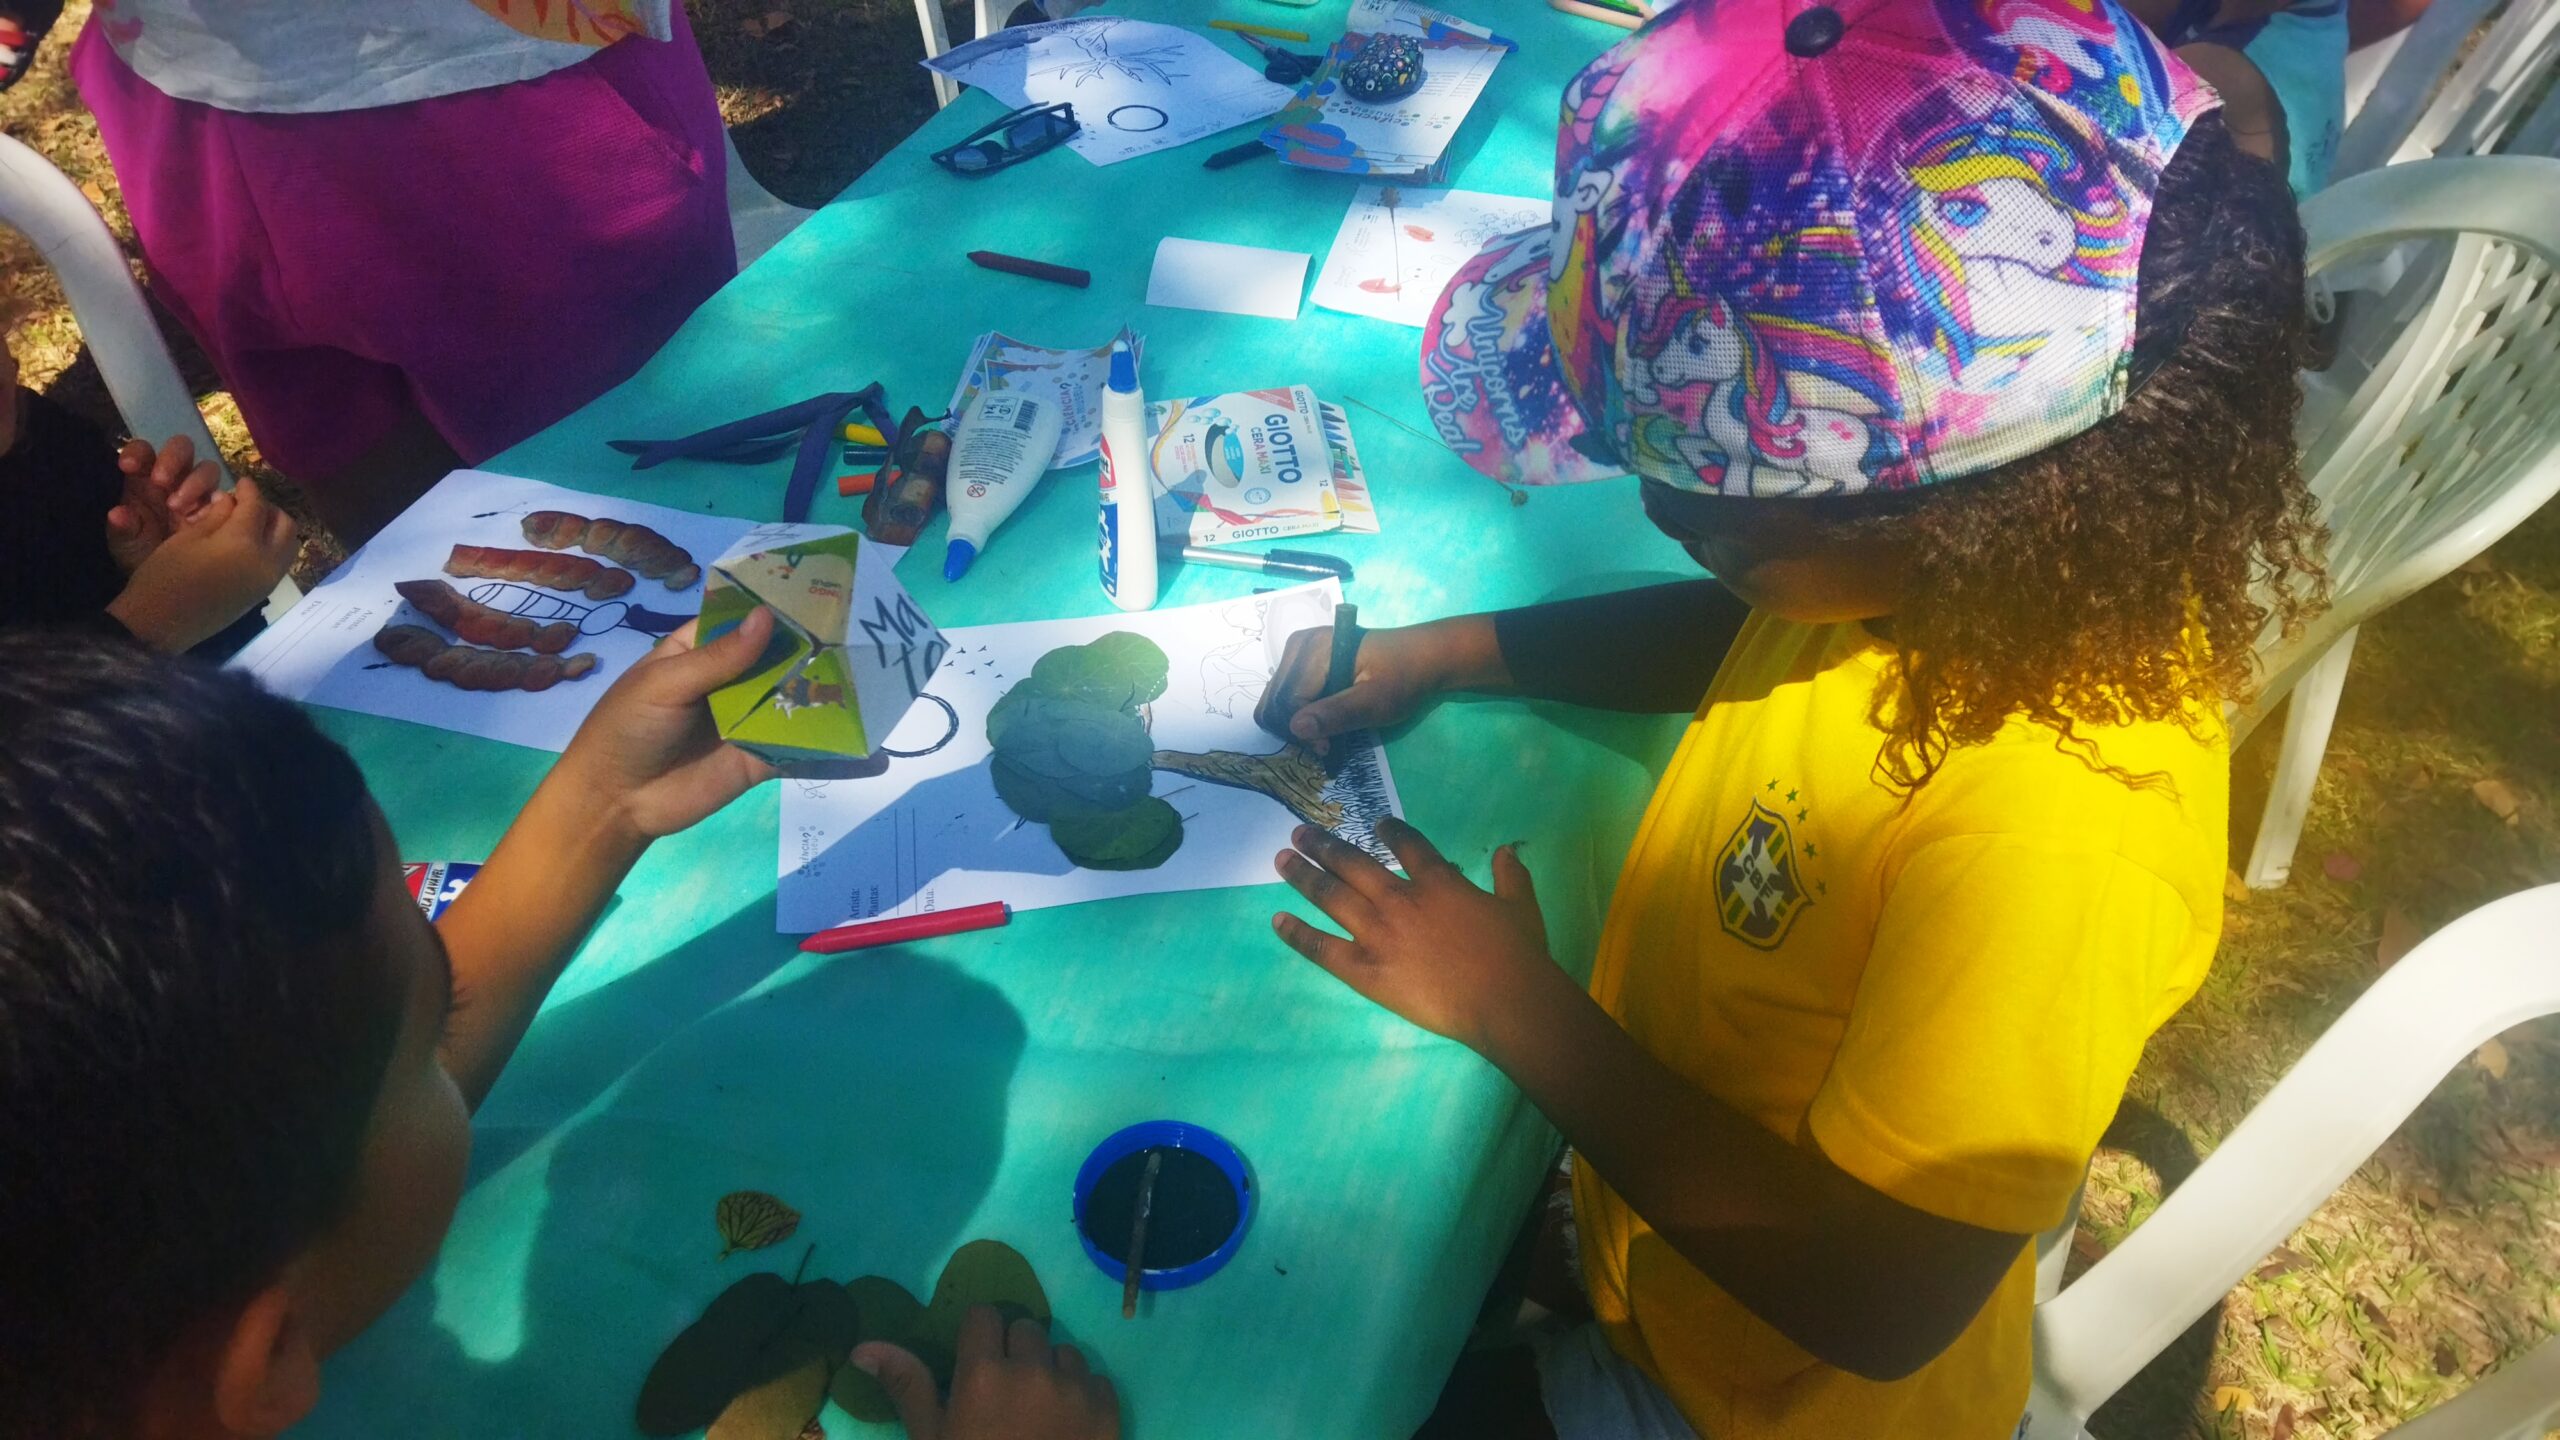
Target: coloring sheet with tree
[
  {"x": 498, "y": 607},
  {"x": 1138, "y": 87},
  {"x": 1052, "y": 761}
]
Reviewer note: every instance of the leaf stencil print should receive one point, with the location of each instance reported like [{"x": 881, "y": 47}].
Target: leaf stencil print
[{"x": 751, "y": 1220}]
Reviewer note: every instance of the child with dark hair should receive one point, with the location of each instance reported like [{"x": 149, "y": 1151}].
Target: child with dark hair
[
  {"x": 237, "y": 1064},
  {"x": 1957, "y": 341}
]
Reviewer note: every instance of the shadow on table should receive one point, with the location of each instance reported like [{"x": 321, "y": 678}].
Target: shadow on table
[{"x": 869, "y": 1092}]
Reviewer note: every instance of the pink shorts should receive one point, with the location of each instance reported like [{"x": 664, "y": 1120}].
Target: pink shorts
[{"x": 493, "y": 259}]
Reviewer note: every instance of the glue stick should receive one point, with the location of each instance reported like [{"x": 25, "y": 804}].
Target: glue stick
[
  {"x": 1004, "y": 447},
  {"x": 1128, "y": 488}
]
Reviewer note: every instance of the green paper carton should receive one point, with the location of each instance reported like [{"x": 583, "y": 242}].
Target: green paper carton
[{"x": 850, "y": 650}]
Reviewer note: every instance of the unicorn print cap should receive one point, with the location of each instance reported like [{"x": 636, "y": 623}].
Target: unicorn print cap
[{"x": 1821, "y": 249}]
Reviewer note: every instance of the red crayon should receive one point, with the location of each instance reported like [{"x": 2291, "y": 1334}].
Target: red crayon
[
  {"x": 908, "y": 927},
  {"x": 1035, "y": 269}
]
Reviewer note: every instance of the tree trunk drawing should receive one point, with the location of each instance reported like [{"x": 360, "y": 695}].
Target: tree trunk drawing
[{"x": 1289, "y": 775}]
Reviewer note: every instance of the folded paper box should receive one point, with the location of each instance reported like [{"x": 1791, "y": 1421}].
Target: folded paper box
[{"x": 850, "y": 650}]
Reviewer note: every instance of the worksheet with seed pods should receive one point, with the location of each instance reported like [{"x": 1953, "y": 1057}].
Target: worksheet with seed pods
[{"x": 498, "y": 607}]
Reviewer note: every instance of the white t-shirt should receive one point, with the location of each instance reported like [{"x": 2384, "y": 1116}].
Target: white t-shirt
[{"x": 278, "y": 57}]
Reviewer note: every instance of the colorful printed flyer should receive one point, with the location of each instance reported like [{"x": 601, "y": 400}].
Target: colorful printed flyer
[{"x": 1256, "y": 465}]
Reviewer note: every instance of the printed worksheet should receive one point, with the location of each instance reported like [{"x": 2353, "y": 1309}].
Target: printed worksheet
[
  {"x": 499, "y": 607},
  {"x": 1137, "y": 86},
  {"x": 1400, "y": 244},
  {"x": 1053, "y": 761}
]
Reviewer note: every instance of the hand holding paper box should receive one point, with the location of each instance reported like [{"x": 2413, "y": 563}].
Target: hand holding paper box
[{"x": 850, "y": 650}]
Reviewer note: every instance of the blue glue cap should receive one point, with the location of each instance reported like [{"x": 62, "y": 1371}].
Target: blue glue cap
[
  {"x": 1124, "y": 368},
  {"x": 956, "y": 558}
]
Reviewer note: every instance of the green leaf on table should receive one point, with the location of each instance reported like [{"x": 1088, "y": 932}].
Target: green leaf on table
[
  {"x": 888, "y": 1313},
  {"x": 1138, "y": 837},
  {"x": 982, "y": 1272},
  {"x": 760, "y": 1329},
  {"x": 778, "y": 1409},
  {"x": 751, "y": 1220}
]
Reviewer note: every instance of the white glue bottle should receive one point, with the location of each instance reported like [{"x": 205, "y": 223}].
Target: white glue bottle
[
  {"x": 1004, "y": 446},
  {"x": 1128, "y": 489}
]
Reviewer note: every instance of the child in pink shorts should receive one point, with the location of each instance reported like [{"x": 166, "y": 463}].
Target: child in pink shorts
[{"x": 411, "y": 233}]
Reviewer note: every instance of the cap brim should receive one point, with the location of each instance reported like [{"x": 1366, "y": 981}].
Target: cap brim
[{"x": 1490, "y": 374}]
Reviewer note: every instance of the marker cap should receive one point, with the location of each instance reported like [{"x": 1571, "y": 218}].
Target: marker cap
[{"x": 956, "y": 558}]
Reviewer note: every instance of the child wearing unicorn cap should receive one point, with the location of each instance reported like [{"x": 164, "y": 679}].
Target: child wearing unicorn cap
[{"x": 1955, "y": 338}]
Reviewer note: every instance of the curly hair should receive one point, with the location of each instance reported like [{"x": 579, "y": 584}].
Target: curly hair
[{"x": 2127, "y": 573}]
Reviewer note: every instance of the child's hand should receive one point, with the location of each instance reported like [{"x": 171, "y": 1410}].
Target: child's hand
[
  {"x": 1398, "y": 671},
  {"x": 1434, "y": 949},
  {"x": 163, "y": 489},
  {"x": 647, "y": 752},
  {"x": 208, "y": 572},
  {"x": 1007, "y": 1383}
]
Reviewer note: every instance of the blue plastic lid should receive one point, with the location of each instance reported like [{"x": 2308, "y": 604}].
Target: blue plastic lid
[
  {"x": 1167, "y": 1135},
  {"x": 1124, "y": 369},
  {"x": 956, "y": 558}
]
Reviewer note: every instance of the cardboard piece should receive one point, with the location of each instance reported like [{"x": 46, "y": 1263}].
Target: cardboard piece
[{"x": 850, "y": 649}]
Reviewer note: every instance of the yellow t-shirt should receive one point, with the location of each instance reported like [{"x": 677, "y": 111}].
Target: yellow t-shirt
[{"x": 1946, "y": 995}]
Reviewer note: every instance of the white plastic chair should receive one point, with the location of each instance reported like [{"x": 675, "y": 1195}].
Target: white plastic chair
[
  {"x": 2496, "y": 967},
  {"x": 2403, "y": 113},
  {"x": 41, "y": 203},
  {"x": 2448, "y": 442},
  {"x": 757, "y": 218},
  {"x": 937, "y": 39}
]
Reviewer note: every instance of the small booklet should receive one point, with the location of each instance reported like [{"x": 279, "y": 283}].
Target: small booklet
[
  {"x": 1256, "y": 465},
  {"x": 1324, "y": 128}
]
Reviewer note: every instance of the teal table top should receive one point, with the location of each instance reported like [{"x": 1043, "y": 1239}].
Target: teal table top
[{"x": 909, "y": 1099}]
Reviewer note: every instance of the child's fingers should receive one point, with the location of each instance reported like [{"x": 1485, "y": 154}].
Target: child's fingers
[
  {"x": 177, "y": 457},
  {"x": 909, "y": 1384},
  {"x": 676, "y": 641},
  {"x": 690, "y": 675},
  {"x": 123, "y": 523},
  {"x": 1324, "y": 890},
  {"x": 200, "y": 485},
  {"x": 1332, "y": 952},
  {"x": 1416, "y": 853},
  {"x": 1345, "y": 860},
  {"x": 1511, "y": 878},
  {"x": 981, "y": 1339},
  {"x": 134, "y": 457}
]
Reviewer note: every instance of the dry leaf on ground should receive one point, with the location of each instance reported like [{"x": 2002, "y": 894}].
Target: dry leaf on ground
[
  {"x": 2342, "y": 867},
  {"x": 2498, "y": 798},
  {"x": 2492, "y": 1057},
  {"x": 2230, "y": 1399},
  {"x": 2400, "y": 935}
]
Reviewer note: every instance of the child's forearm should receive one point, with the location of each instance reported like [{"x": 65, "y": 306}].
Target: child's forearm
[
  {"x": 513, "y": 929},
  {"x": 1856, "y": 1278},
  {"x": 1652, "y": 650}
]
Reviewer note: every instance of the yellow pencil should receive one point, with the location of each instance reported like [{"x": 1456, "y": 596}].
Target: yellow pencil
[
  {"x": 1605, "y": 16},
  {"x": 865, "y": 435},
  {"x": 1267, "y": 32}
]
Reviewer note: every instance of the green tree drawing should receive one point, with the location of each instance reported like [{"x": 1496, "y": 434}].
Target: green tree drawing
[{"x": 1072, "y": 752}]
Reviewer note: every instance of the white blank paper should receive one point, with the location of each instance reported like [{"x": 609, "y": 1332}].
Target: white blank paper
[{"x": 1231, "y": 279}]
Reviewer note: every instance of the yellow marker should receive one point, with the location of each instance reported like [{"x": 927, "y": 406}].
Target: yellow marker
[
  {"x": 1267, "y": 32},
  {"x": 865, "y": 435}
]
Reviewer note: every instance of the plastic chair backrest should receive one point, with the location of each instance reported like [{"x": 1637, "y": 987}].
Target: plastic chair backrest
[
  {"x": 41, "y": 203},
  {"x": 2483, "y": 92},
  {"x": 2453, "y": 437},
  {"x": 757, "y": 219},
  {"x": 2496, "y": 967}
]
